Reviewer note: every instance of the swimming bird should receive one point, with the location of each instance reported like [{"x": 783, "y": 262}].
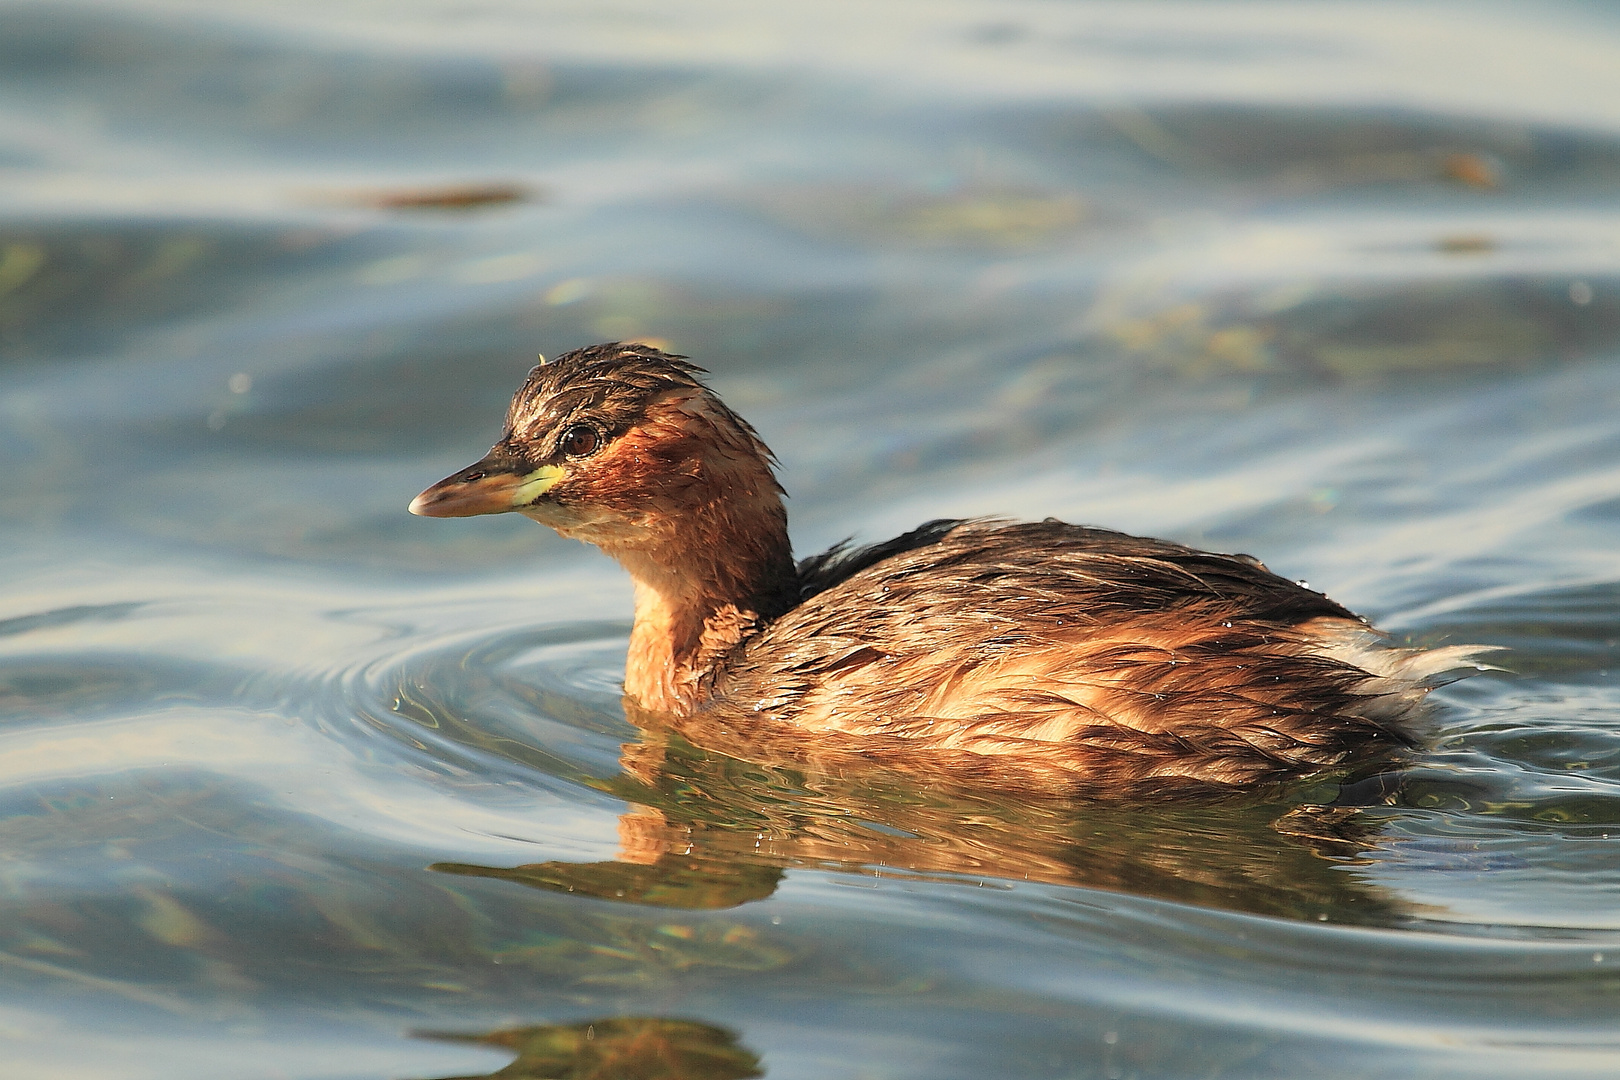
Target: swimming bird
[{"x": 1007, "y": 652}]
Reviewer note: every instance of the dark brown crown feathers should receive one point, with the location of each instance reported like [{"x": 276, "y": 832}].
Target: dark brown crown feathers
[{"x": 610, "y": 383}]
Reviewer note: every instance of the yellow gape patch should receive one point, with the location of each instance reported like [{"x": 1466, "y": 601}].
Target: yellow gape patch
[{"x": 536, "y": 484}]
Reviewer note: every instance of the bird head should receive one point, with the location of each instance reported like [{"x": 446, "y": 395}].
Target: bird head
[{"x": 618, "y": 445}]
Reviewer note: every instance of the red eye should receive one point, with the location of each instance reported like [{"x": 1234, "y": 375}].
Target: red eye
[{"x": 580, "y": 440}]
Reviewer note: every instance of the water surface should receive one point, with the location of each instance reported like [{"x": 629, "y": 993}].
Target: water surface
[{"x": 296, "y": 785}]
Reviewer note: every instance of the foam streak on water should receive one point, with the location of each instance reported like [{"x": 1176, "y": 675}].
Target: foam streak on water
[{"x": 293, "y": 784}]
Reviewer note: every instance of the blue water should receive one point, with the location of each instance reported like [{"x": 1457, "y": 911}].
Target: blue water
[{"x": 294, "y": 785}]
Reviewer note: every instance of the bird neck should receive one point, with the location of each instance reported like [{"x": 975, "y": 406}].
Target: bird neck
[{"x": 704, "y": 583}]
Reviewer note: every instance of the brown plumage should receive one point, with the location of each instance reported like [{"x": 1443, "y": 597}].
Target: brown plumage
[{"x": 1029, "y": 653}]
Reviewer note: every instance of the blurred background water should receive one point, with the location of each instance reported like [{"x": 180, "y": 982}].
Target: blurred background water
[{"x": 295, "y": 785}]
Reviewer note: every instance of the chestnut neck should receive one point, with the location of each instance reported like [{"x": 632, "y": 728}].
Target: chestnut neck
[{"x": 706, "y": 579}]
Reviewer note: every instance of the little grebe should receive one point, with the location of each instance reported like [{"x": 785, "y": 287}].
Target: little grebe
[{"x": 1031, "y": 648}]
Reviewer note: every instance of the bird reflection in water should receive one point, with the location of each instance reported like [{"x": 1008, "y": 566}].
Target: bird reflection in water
[{"x": 708, "y": 831}]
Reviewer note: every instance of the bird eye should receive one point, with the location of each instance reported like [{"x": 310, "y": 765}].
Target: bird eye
[{"x": 580, "y": 440}]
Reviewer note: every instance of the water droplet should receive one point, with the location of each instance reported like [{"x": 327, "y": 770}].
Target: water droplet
[{"x": 1580, "y": 293}]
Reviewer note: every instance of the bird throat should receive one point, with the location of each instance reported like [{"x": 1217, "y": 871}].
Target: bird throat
[{"x": 699, "y": 596}]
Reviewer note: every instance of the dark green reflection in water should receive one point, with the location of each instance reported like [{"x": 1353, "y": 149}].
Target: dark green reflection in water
[
  {"x": 68, "y": 288},
  {"x": 619, "y": 1048}
]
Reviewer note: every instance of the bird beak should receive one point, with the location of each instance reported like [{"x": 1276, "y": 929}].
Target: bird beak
[{"x": 491, "y": 486}]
